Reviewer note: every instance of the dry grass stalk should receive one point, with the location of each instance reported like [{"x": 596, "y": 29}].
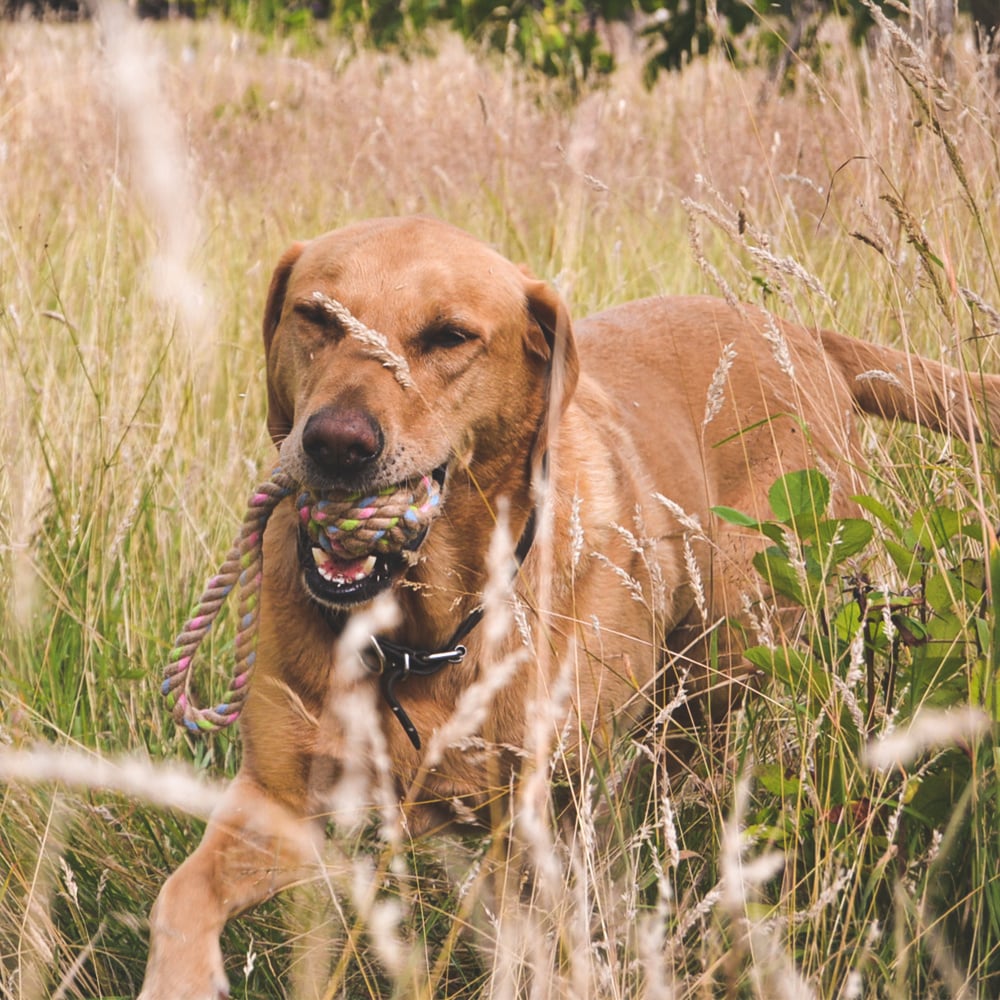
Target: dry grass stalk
[{"x": 374, "y": 341}]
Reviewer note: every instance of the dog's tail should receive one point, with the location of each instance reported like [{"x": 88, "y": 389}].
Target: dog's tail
[{"x": 896, "y": 385}]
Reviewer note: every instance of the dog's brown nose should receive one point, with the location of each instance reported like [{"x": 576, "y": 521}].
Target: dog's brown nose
[{"x": 340, "y": 441}]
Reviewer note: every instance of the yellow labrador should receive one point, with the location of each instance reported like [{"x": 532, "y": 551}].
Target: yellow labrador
[{"x": 404, "y": 348}]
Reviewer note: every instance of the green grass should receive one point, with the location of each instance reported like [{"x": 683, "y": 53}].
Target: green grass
[{"x": 132, "y": 427}]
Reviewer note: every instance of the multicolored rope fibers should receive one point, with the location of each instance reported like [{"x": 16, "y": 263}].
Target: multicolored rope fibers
[
  {"x": 356, "y": 526},
  {"x": 349, "y": 526}
]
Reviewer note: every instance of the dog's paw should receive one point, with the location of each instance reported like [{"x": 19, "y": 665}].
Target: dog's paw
[
  {"x": 185, "y": 977},
  {"x": 183, "y": 987}
]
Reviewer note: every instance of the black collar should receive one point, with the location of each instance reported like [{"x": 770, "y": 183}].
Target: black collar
[{"x": 394, "y": 662}]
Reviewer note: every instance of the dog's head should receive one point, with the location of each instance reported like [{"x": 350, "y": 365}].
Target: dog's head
[{"x": 402, "y": 351}]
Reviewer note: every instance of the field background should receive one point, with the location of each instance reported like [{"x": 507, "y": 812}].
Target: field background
[{"x": 151, "y": 175}]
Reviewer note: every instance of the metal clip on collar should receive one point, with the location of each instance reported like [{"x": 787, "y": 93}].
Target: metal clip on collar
[{"x": 394, "y": 662}]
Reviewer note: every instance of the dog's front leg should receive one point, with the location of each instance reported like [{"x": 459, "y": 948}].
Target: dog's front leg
[{"x": 252, "y": 848}]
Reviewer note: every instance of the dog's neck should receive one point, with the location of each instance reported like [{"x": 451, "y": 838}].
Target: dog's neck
[
  {"x": 433, "y": 609},
  {"x": 434, "y": 626}
]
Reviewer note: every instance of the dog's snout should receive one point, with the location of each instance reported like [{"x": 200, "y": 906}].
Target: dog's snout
[{"x": 339, "y": 441}]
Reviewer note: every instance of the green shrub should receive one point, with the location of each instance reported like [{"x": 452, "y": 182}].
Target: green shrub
[{"x": 871, "y": 662}]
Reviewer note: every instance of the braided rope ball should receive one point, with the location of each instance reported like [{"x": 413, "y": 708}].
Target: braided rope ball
[{"x": 356, "y": 525}]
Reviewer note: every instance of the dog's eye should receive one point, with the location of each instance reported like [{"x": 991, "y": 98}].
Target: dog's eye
[
  {"x": 446, "y": 336},
  {"x": 317, "y": 317}
]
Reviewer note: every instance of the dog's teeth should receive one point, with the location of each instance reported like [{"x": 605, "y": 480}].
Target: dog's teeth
[{"x": 339, "y": 571}]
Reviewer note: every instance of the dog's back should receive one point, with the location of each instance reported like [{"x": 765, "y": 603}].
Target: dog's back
[
  {"x": 718, "y": 402},
  {"x": 694, "y": 375}
]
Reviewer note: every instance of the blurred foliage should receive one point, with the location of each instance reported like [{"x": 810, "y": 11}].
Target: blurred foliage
[{"x": 565, "y": 38}]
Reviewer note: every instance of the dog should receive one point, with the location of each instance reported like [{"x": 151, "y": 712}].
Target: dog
[{"x": 602, "y": 446}]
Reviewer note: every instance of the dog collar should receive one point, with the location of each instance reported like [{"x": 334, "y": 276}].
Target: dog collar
[{"x": 394, "y": 661}]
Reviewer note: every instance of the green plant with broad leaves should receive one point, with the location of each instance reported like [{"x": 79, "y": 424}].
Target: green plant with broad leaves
[{"x": 867, "y": 663}]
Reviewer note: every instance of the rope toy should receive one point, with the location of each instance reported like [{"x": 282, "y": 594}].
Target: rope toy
[
  {"x": 348, "y": 526},
  {"x": 356, "y": 526}
]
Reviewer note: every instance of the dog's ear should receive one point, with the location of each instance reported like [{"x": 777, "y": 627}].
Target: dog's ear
[
  {"x": 276, "y": 293},
  {"x": 549, "y": 336},
  {"x": 279, "y": 420}
]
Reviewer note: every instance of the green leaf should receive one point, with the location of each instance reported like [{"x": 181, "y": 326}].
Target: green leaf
[
  {"x": 993, "y": 561},
  {"x": 776, "y": 532},
  {"x": 935, "y": 799},
  {"x": 772, "y": 777},
  {"x": 799, "y": 494},
  {"x": 905, "y": 560},
  {"x": 800, "y": 673},
  {"x": 912, "y": 632},
  {"x": 982, "y": 682},
  {"x": 937, "y": 671},
  {"x": 880, "y": 511},
  {"x": 847, "y": 621},
  {"x": 770, "y": 529},
  {"x": 776, "y": 568},
  {"x": 732, "y": 516},
  {"x": 934, "y": 528},
  {"x": 973, "y": 530},
  {"x": 949, "y": 592},
  {"x": 839, "y": 539},
  {"x": 973, "y": 575}
]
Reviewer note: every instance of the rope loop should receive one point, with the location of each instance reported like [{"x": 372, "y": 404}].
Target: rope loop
[{"x": 346, "y": 526}]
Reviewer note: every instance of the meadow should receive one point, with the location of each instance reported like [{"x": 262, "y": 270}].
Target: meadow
[{"x": 837, "y": 837}]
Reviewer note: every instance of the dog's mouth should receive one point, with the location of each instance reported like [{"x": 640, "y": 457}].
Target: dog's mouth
[
  {"x": 339, "y": 582},
  {"x": 351, "y": 547}
]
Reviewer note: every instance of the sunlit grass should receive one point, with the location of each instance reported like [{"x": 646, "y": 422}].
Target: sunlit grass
[{"x": 132, "y": 428}]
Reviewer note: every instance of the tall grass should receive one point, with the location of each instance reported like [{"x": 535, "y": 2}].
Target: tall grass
[{"x": 140, "y": 217}]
